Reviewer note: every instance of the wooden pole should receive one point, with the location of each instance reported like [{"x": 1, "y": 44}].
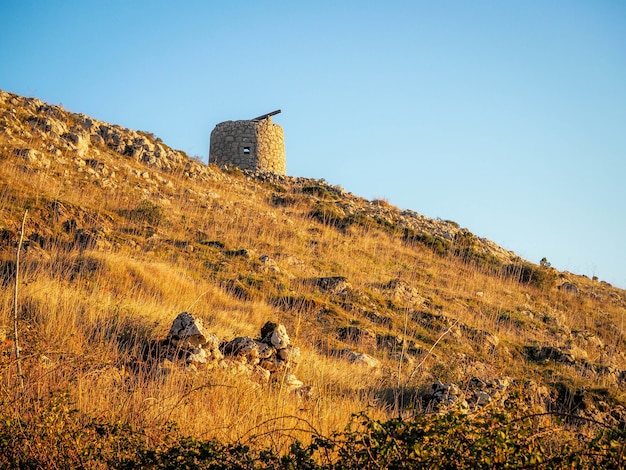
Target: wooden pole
[{"x": 265, "y": 116}]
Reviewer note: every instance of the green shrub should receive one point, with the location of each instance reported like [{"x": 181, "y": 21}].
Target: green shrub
[
  {"x": 526, "y": 273},
  {"x": 319, "y": 191},
  {"x": 439, "y": 245},
  {"x": 146, "y": 212},
  {"x": 328, "y": 213},
  {"x": 52, "y": 434}
]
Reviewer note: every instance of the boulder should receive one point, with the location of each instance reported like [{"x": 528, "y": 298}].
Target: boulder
[
  {"x": 275, "y": 335},
  {"x": 403, "y": 293},
  {"x": 361, "y": 359},
  {"x": 332, "y": 284},
  {"x": 187, "y": 332},
  {"x": 448, "y": 395},
  {"x": 247, "y": 349}
]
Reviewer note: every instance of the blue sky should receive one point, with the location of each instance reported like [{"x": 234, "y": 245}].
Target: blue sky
[{"x": 508, "y": 116}]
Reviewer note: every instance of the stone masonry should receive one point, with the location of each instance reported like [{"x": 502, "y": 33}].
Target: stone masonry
[{"x": 257, "y": 146}]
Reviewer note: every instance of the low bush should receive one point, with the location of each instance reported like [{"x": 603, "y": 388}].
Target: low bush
[
  {"x": 146, "y": 212},
  {"x": 541, "y": 277},
  {"x": 57, "y": 436}
]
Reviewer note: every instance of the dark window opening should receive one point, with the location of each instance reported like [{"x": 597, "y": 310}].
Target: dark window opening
[{"x": 246, "y": 150}]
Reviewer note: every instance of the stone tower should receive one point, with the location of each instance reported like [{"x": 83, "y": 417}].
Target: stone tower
[{"x": 256, "y": 144}]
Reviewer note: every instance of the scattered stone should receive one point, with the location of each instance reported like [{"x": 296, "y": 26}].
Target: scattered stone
[
  {"x": 187, "y": 332},
  {"x": 482, "y": 398},
  {"x": 402, "y": 293},
  {"x": 270, "y": 357},
  {"x": 276, "y": 335},
  {"x": 247, "y": 349},
  {"x": 292, "y": 382},
  {"x": 234, "y": 253},
  {"x": 33, "y": 156},
  {"x": 260, "y": 374},
  {"x": 360, "y": 358},
  {"x": 289, "y": 354},
  {"x": 268, "y": 264},
  {"x": 333, "y": 284},
  {"x": 446, "y": 395}
]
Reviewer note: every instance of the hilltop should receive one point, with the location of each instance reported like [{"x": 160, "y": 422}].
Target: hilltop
[{"x": 390, "y": 311}]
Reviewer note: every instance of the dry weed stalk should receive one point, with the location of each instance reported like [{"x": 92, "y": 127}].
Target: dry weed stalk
[{"x": 15, "y": 301}]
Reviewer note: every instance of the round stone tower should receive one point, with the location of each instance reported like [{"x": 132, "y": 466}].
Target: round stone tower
[{"x": 256, "y": 144}]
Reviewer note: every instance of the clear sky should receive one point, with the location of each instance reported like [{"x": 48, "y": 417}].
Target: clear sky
[{"x": 508, "y": 117}]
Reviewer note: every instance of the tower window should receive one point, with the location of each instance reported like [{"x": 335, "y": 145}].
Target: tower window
[{"x": 246, "y": 150}]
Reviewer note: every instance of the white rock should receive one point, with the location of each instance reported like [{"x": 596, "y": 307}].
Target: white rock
[
  {"x": 362, "y": 359},
  {"x": 292, "y": 382},
  {"x": 198, "y": 355},
  {"x": 187, "y": 331},
  {"x": 279, "y": 338}
]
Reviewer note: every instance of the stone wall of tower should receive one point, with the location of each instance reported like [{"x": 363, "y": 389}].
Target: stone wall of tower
[{"x": 249, "y": 145}]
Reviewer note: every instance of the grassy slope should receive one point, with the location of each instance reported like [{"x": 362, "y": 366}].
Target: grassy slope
[{"x": 116, "y": 248}]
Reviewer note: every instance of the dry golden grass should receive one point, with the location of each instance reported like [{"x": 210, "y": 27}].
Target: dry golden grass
[{"x": 85, "y": 313}]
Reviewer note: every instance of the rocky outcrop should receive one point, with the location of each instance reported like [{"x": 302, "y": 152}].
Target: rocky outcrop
[
  {"x": 188, "y": 341},
  {"x": 569, "y": 287},
  {"x": 478, "y": 392},
  {"x": 43, "y": 134},
  {"x": 402, "y": 293},
  {"x": 333, "y": 284},
  {"x": 359, "y": 358},
  {"x": 269, "y": 358}
]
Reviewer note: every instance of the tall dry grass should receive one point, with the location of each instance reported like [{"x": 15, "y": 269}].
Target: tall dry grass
[{"x": 86, "y": 313}]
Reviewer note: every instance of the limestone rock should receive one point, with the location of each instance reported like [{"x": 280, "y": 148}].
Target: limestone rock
[
  {"x": 275, "y": 335},
  {"x": 482, "y": 398},
  {"x": 290, "y": 354},
  {"x": 247, "y": 349},
  {"x": 268, "y": 264},
  {"x": 33, "y": 156},
  {"x": 292, "y": 382},
  {"x": 187, "y": 331},
  {"x": 403, "y": 293},
  {"x": 361, "y": 359},
  {"x": 446, "y": 395},
  {"x": 198, "y": 355},
  {"x": 333, "y": 284}
]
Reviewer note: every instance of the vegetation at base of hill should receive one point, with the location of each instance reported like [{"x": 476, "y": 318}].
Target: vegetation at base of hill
[{"x": 56, "y": 435}]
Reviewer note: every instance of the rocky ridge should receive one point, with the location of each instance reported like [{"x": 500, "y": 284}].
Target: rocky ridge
[{"x": 74, "y": 147}]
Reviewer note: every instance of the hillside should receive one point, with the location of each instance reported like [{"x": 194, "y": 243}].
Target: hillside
[{"x": 387, "y": 311}]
